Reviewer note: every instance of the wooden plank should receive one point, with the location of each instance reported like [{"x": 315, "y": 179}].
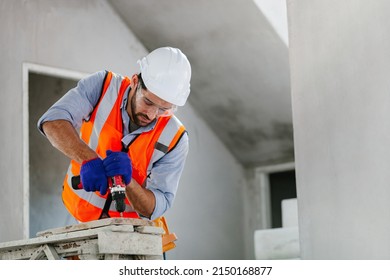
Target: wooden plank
[{"x": 96, "y": 224}]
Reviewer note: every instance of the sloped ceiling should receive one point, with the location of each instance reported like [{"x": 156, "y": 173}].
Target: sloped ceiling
[{"x": 240, "y": 82}]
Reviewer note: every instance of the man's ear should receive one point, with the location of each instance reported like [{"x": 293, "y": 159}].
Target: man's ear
[{"x": 134, "y": 81}]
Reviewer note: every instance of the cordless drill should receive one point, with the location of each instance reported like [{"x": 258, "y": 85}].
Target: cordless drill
[{"x": 116, "y": 186}]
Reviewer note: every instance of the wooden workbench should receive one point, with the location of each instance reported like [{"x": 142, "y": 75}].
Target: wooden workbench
[{"x": 114, "y": 238}]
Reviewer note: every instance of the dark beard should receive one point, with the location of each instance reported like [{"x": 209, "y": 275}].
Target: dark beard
[{"x": 135, "y": 117}]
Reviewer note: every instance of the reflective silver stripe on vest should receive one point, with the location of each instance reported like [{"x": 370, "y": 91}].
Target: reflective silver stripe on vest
[
  {"x": 94, "y": 199},
  {"x": 91, "y": 197},
  {"x": 165, "y": 139},
  {"x": 104, "y": 109}
]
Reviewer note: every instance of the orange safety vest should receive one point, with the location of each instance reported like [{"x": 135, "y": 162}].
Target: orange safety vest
[{"x": 104, "y": 131}]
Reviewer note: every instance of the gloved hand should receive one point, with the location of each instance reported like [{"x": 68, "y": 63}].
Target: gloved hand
[
  {"x": 118, "y": 163},
  {"x": 93, "y": 176}
]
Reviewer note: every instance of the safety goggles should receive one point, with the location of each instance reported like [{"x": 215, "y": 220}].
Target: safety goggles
[{"x": 146, "y": 102}]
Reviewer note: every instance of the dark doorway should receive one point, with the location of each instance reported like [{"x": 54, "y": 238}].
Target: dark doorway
[
  {"x": 47, "y": 166},
  {"x": 282, "y": 186}
]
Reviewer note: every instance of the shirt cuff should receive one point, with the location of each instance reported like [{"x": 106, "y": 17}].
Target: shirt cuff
[{"x": 160, "y": 206}]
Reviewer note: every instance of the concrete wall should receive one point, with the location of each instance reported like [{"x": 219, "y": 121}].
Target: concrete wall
[
  {"x": 208, "y": 213},
  {"x": 340, "y": 65},
  {"x": 88, "y": 36}
]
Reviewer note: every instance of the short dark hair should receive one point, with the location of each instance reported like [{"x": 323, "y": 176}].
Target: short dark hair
[{"x": 141, "y": 81}]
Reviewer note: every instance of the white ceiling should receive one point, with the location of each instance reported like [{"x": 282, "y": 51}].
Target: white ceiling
[{"x": 240, "y": 83}]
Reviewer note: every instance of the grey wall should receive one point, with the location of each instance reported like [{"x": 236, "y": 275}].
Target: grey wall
[
  {"x": 88, "y": 36},
  {"x": 208, "y": 214},
  {"x": 340, "y": 65}
]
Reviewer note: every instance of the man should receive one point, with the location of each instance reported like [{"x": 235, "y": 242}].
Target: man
[{"x": 127, "y": 129}]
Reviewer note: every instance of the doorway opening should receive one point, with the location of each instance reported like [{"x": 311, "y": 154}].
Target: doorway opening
[
  {"x": 276, "y": 183},
  {"x": 44, "y": 166},
  {"x": 282, "y": 186}
]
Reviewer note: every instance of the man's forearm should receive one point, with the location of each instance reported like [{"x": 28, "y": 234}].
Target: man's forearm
[
  {"x": 142, "y": 199},
  {"x": 63, "y": 136}
]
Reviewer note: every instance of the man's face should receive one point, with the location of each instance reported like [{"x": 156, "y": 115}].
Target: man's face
[{"x": 146, "y": 107}]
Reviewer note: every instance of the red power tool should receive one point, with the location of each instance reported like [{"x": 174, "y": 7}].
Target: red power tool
[
  {"x": 118, "y": 189},
  {"x": 116, "y": 186}
]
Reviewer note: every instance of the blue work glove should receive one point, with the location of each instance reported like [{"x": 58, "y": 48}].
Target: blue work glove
[
  {"x": 118, "y": 163},
  {"x": 93, "y": 176}
]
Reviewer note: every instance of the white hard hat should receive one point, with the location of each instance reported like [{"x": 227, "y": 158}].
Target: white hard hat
[{"x": 166, "y": 72}]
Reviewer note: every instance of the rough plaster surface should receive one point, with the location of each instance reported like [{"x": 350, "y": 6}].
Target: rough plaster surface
[
  {"x": 240, "y": 82},
  {"x": 340, "y": 65},
  {"x": 212, "y": 186}
]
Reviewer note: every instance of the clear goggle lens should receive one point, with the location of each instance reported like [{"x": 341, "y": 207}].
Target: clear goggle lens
[{"x": 146, "y": 102}]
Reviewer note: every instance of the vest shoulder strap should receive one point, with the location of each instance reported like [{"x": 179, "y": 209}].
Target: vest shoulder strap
[
  {"x": 106, "y": 83},
  {"x": 170, "y": 136},
  {"x": 168, "y": 140}
]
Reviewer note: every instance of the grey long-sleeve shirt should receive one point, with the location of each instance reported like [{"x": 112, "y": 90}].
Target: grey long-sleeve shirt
[{"x": 77, "y": 104}]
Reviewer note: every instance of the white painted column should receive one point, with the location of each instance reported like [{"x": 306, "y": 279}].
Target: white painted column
[{"x": 340, "y": 80}]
